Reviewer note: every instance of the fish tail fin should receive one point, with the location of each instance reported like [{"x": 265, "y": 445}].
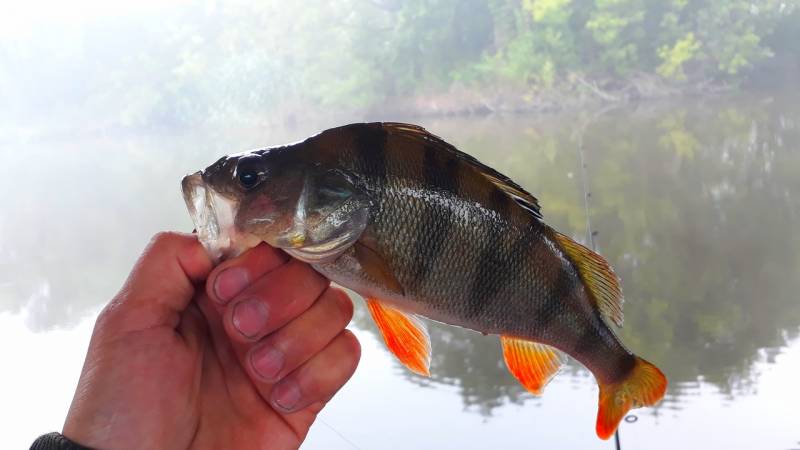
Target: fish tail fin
[{"x": 645, "y": 385}]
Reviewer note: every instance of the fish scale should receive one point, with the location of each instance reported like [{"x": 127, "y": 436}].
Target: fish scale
[
  {"x": 512, "y": 295},
  {"x": 418, "y": 227}
]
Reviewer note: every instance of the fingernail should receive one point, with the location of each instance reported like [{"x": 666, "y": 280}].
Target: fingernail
[
  {"x": 230, "y": 282},
  {"x": 250, "y": 317},
  {"x": 286, "y": 395},
  {"x": 267, "y": 362}
]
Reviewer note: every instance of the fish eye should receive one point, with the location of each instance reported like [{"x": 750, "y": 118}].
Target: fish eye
[
  {"x": 248, "y": 179},
  {"x": 248, "y": 171}
]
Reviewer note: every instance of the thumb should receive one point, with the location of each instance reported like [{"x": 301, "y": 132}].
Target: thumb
[{"x": 161, "y": 284}]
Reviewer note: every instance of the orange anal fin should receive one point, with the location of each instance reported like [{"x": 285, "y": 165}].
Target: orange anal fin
[
  {"x": 405, "y": 335},
  {"x": 644, "y": 386},
  {"x": 532, "y": 363}
]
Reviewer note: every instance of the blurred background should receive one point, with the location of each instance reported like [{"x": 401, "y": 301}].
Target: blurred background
[{"x": 670, "y": 130}]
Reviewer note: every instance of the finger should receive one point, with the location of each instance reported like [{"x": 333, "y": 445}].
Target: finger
[
  {"x": 216, "y": 331},
  {"x": 193, "y": 327},
  {"x": 231, "y": 277},
  {"x": 161, "y": 283},
  {"x": 319, "y": 378},
  {"x": 226, "y": 358},
  {"x": 286, "y": 349},
  {"x": 169, "y": 266},
  {"x": 272, "y": 301}
]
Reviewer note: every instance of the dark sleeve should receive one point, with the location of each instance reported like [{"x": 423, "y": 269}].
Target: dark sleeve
[{"x": 55, "y": 441}]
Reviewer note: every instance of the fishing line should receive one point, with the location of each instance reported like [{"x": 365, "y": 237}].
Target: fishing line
[
  {"x": 351, "y": 443},
  {"x": 590, "y": 233},
  {"x": 586, "y": 193}
]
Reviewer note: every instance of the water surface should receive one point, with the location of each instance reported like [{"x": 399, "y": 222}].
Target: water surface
[{"x": 696, "y": 204}]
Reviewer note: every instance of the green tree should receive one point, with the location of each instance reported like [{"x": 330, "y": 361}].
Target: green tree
[{"x": 615, "y": 26}]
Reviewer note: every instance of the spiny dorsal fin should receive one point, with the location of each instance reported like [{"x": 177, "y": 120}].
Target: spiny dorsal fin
[
  {"x": 532, "y": 363},
  {"x": 505, "y": 184},
  {"x": 599, "y": 277}
]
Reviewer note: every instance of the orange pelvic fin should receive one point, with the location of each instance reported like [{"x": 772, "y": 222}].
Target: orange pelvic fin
[
  {"x": 405, "y": 335},
  {"x": 532, "y": 363},
  {"x": 644, "y": 386},
  {"x": 598, "y": 276}
]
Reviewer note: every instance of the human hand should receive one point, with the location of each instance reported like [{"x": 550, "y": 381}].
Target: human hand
[{"x": 169, "y": 368}]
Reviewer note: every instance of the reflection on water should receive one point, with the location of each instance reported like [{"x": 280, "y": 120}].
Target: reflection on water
[
  {"x": 696, "y": 205},
  {"x": 465, "y": 359}
]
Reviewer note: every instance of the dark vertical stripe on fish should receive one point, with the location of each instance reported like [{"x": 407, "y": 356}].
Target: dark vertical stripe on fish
[
  {"x": 598, "y": 339},
  {"x": 490, "y": 262},
  {"x": 370, "y": 143},
  {"x": 625, "y": 365},
  {"x": 434, "y": 225},
  {"x": 589, "y": 341},
  {"x": 561, "y": 288},
  {"x": 370, "y": 152}
]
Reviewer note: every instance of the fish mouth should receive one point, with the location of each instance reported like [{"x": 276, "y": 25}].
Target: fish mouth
[{"x": 213, "y": 217}]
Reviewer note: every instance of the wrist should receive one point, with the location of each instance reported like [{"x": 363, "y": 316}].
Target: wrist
[{"x": 56, "y": 441}]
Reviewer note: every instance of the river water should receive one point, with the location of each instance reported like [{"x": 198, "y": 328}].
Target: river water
[{"x": 695, "y": 203}]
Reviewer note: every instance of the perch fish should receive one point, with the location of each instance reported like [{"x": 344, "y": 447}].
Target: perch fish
[{"x": 419, "y": 228}]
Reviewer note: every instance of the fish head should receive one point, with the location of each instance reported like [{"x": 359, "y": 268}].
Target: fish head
[{"x": 277, "y": 196}]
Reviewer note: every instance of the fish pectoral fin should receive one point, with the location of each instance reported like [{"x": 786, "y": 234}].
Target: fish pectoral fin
[
  {"x": 405, "y": 335},
  {"x": 599, "y": 277},
  {"x": 532, "y": 363},
  {"x": 376, "y": 268}
]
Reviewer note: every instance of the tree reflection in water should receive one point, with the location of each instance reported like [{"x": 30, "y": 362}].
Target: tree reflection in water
[{"x": 696, "y": 206}]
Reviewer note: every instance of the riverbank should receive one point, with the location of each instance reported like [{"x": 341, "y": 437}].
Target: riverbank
[{"x": 575, "y": 92}]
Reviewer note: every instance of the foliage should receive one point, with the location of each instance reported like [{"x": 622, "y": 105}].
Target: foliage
[
  {"x": 615, "y": 27},
  {"x": 195, "y": 62},
  {"x": 685, "y": 50},
  {"x": 693, "y": 219}
]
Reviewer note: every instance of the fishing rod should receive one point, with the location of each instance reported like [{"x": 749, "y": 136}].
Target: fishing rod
[{"x": 590, "y": 233}]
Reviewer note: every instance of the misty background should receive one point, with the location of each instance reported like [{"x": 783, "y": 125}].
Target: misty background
[
  {"x": 93, "y": 66},
  {"x": 668, "y": 130}
]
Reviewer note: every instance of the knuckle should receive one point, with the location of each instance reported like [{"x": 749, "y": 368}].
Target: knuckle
[
  {"x": 343, "y": 303},
  {"x": 353, "y": 345},
  {"x": 162, "y": 237},
  {"x": 313, "y": 388},
  {"x": 163, "y": 240}
]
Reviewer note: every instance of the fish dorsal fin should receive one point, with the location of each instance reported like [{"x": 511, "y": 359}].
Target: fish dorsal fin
[
  {"x": 502, "y": 182},
  {"x": 405, "y": 335},
  {"x": 598, "y": 276},
  {"x": 532, "y": 363}
]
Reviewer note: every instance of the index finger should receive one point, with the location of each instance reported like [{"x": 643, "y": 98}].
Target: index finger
[
  {"x": 161, "y": 283},
  {"x": 231, "y": 277}
]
